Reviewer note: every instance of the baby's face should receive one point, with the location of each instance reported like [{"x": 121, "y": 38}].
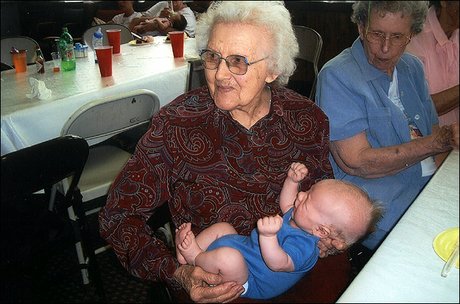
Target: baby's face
[{"x": 309, "y": 207}]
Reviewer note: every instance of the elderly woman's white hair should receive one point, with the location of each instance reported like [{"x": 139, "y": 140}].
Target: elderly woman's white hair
[{"x": 271, "y": 15}]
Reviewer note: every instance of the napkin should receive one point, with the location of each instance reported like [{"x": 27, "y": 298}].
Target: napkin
[{"x": 39, "y": 89}]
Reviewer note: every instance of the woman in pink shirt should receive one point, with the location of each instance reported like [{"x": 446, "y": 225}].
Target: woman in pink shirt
[{"x": 437, "y": 47}]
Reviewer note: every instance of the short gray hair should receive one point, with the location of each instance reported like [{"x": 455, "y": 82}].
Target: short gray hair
[
  {"x": 271, "y": 15},
  {"x": 416, "y": 9}
]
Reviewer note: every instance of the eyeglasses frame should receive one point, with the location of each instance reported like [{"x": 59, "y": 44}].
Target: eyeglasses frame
[
  {"x": 383, "y": 38},
  {"x": 226, "y": 61}
]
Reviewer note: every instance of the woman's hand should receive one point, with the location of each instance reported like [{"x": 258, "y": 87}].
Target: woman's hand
[
  {"x": 332, "y": 245},
  {"x": 206, "y": 287}
]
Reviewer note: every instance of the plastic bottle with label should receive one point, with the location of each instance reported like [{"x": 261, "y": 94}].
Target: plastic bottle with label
[
  {"x": 97, "y": 41},
  {"x": 66, "y": 48},
  {"x": 39, "y": 60}
]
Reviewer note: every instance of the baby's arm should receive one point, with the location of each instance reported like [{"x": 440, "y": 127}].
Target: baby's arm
[
  {"x": 274, "y": 256},
  {"x": 296, "y": 174}
]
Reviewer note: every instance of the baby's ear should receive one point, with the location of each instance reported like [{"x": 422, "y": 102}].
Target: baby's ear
[{"x": 322, "y": 231}]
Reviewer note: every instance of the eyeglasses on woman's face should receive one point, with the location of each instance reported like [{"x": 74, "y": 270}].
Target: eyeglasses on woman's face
[
  {"x": 394, "y": 39},
  {"x": 236, "y": 64}
]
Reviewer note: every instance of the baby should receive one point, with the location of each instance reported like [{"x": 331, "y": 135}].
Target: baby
[{"x": 282, "y": 249}]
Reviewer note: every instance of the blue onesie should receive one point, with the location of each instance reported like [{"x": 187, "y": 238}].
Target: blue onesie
[{"x": 264, "y": 283}]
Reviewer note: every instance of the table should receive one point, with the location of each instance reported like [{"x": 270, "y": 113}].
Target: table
[
  {"x": 405, "y": 268},
  {"x": 25, "y": 122}
]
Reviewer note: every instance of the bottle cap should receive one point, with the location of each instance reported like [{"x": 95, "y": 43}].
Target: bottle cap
[{"x": 98, "y": 33}]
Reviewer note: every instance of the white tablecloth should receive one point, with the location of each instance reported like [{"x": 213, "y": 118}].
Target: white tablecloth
[
  {"x": 405, "y": 268},
  {"x": 26, "y": 122}
]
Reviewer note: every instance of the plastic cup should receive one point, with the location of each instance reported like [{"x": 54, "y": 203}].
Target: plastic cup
[
  {"x": 20, "y": 61},
  {"x": 56, "y": 56},
  {"x": 104, "y": 59},
  {"x": 177, "y": 43},
  {"x": 114, "y": 37}
]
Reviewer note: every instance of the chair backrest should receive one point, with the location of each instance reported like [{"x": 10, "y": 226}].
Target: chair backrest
[
  {"x": 310, "y": 45},
  {"x": 104, "y": 118},
  {"x": 34, "y": 168},
  {"x": 21, "y": 43},
  {"x": 196, "y": 77},
  {"x": 6, "y": 66},
  {"x": 126, "y": 35}
]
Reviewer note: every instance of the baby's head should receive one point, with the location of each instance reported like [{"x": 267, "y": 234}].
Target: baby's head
[{"x": 336, "y": 209}]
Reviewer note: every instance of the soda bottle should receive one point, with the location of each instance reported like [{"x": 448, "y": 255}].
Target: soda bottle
[
  {"x": 39, "y": 60},
  {"x": 66, "y": 48},
  {"x": 97, "y": 41}
]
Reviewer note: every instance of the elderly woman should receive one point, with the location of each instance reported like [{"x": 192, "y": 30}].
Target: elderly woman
[
  {"x": 219, "y": 153},
  {"x": 384, "y": 127}
]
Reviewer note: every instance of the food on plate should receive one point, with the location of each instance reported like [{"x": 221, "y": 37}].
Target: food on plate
[{"x": 145, "y": 39}]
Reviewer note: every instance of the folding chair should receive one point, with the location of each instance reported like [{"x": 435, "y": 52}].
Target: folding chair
[
  {"x": 196, "y": 76},
  {"x": 126, "y": 35},
  {"x": 6, "y": 66},
  {"x": 310, "y": 45},
  {"x": 20, "y": 43},
  {"x": 99, "y": 121},
  {"x": 27, "y": 223}
]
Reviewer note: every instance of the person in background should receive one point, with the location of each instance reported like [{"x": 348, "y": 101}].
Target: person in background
[
  {"x": 384, "y": 128},
  {"x": 125, "y": 18},
  {"x": 128, "y": 13},
  {"x": 156, "y": 9},
  {"x": 161, "y": 26},
  {"x": 437, "y": 47},
  {"x": 219, "y": 153},
  {"x": 281, "y": 250},
  {"x": 162, "y": 9}
]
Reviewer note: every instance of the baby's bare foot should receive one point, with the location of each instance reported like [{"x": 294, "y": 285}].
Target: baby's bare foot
[
  {"x": 181, "y": 233},
  {"x": 189, "y": 248}
]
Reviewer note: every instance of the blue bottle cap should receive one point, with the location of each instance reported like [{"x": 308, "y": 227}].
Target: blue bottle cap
[{"x": 98, "y": 33}]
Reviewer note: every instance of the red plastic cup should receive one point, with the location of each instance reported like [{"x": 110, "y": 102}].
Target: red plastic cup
[
  {"x": 20, "y": 61},
  {"x": 104, "y": 59},
  {"x": 177, "y": 43},
  {"x": 114, "y": 37}
]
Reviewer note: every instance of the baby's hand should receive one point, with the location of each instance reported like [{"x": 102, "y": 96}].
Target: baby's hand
[
  {"x": 270, "y": 225},
  {"x": 297, "y": 172}
]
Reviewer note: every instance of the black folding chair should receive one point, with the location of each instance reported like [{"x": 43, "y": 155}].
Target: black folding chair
[
  {"x": 196, "y": 77},
  {"x": 28, "y": 227}
]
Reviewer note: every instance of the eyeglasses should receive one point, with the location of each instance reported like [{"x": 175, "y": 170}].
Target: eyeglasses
[
  {"x": 395, "y": 39},
  {"x": 237, "y": 64}
]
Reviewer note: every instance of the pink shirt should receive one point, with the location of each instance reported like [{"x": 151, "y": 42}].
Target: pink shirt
[{"x": 439, "y": 55}]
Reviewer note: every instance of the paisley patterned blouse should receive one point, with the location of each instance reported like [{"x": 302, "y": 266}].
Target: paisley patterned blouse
[{"x": 209, "y": 169}]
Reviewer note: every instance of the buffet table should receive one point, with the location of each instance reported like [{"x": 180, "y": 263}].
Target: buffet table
[
  {"x": 28, "y": 121},
  {"x": 406, "y": 268}
]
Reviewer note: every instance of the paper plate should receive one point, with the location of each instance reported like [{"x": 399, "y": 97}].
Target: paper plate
[
  {"x": 444, "y": 243},
  {"x": 133, "y": 43}
]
